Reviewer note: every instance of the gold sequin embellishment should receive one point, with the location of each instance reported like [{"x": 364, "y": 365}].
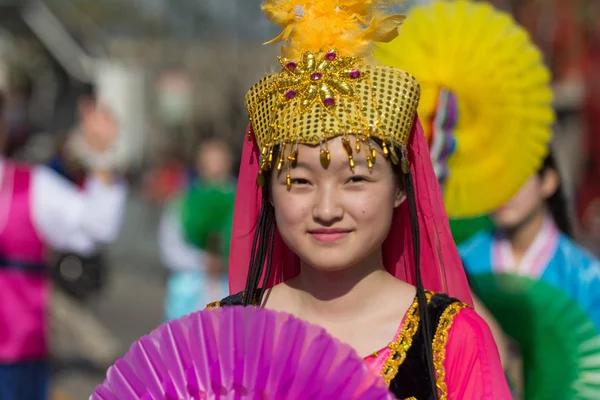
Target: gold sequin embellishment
[
  {"x": 214, "y": 304},
  {"x": 439, "y": 346},
  {"x": 323, "y": 96},
  {"x": 400, "y": 347}
]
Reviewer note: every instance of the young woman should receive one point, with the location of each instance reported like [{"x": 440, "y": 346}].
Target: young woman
[
  {"x": 339, "y": 218},
  {"x": 537, "y": 281},
  {"x": 194, "y": 234}
]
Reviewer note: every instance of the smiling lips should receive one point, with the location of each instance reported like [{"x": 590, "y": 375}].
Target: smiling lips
[{"x": 329, "y": 235}]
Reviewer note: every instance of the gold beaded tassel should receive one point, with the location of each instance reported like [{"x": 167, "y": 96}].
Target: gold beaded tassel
[
  {"x": 393, "y": 155},
  {"x": 384, "y": 148},
  {"x": 370, "y": 154},
  {"x": 270, "y": 163},
  {"x": 293, "y": 156},
  {"x": 264, "y": 166},
  {"x": 281, "y": 157},
  {"x": 324, "y": 156},
  {"x": 404, "y": 163},
  {"x": 292, "y": 159},
  {"x": 348, "y": 147}
]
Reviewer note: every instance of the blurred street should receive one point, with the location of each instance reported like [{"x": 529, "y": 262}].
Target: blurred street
[
  {"x": 152, "y": 93},
  {"x": 132, "y": 304}
]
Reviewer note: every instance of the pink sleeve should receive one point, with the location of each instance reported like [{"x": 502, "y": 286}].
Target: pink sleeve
[{"x": 472, "y": 364}]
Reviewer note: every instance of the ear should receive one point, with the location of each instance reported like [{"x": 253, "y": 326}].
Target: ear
[
  {"x": 550, "y": 182},
  {"x": 400, "y": 197}
]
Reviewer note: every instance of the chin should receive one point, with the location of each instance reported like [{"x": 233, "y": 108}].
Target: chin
[
  {"x": 506, "y": 219},
  {"x": 332, "y": 259}
]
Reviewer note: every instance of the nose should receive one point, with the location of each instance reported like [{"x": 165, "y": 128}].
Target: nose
[{"x": 328, "y": 207}]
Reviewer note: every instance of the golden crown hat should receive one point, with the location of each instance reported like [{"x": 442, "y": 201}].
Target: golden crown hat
[
  {"x": 326, "y": 87},
  {"x": 502, "y": 89}
]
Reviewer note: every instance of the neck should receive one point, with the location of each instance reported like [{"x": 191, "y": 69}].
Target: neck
[
  {"x": 216, "y": 180},
  {"x": 523, "y": 235},
  {"x": 336, "y": 294}
]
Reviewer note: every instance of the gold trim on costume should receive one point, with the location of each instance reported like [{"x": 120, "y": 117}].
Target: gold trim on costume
[
  {"x": 440, "y": 341},
  {"x": 400, "y": 347},
  {"x": 214, "y": 304}
]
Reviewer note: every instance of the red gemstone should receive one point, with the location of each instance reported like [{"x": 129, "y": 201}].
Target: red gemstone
[
  {"x": 329, "y": 101},
  {"x": 355, "y": 74},
  {"x": 316, "y": 76},
  {"x": 290, "y": 94},
  {"x": 291, "y": 65},
  {"x": 331, "y": 56}
]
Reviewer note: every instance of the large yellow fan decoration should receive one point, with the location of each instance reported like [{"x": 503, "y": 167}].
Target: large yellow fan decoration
[{"x": 504, "y": 117}]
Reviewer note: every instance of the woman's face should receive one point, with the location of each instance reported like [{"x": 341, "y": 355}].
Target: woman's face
[
  {"x": 334, "y": 218},
  {"x": 529, "y": 200},
  {"x": 213, "y": 161}
]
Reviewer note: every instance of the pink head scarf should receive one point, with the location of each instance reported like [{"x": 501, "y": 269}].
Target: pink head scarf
[{"x": 441, "y": 267}]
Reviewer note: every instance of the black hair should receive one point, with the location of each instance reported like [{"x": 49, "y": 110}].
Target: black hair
[
  {"x": 86, "y": 90},
  {"x": 262, "y": 252},
  {"x": 557, "y": 203}
]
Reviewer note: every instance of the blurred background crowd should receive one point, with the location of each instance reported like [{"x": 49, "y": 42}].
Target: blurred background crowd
[{"x": 171, "y": 77}]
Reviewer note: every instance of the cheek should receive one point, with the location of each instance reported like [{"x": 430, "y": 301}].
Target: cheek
[
  {"x": 290, "y": 210},
  {"x": 522, "y": 204},
  {"x": 372, "y": 208},
  {"x": 529, "y": 196}
]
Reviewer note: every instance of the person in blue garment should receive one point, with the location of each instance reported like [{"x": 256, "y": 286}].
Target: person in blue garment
[
  {"x": 194, "y": 233},
  {"x": 534, "y": 277}
]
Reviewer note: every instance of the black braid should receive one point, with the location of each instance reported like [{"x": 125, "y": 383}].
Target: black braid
[
  {"x": 255, "y": 244},
  {"x": 421, "y": 297},
  {"x": 261, "y": 294},
  {"x": 262, "y": 250},
  {"x": 557, "y": 203}
]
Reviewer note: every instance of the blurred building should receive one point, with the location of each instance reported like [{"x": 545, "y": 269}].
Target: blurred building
[{"x": 170, "y": 71}]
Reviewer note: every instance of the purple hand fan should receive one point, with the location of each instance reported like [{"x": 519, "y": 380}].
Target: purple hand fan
[{"x": 240, "y": 353}]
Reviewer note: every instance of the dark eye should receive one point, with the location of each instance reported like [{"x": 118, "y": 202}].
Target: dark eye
[
  {"x": 357, "y": 179},
  {"x": 299, "y": 181}
]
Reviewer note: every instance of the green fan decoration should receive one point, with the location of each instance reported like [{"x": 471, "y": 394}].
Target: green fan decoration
[
  {"x": 464, "y": 228},
  {"x": 560, "y": 344},
  {"x": 207, "y": 215}
]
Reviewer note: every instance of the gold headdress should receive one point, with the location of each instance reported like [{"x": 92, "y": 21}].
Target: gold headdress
[{"x": 326, "y": 88}]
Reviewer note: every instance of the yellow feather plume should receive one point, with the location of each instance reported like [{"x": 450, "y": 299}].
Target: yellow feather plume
[{"x": 350, "y": 26}]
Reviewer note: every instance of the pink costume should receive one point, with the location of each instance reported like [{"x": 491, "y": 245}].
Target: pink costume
[
  {"x": 471, "y": 362},
  {"x": 24, "y": 285},
  {"x": 38, "y": 209}
]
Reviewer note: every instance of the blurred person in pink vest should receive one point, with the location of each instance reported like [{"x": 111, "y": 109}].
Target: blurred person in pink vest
[{"x": 39, "y": 209}]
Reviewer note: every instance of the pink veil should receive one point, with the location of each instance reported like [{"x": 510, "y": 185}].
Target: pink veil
[{"x": 441, "y": 267}]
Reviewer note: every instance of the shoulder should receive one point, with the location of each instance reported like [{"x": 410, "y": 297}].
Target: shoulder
[
  {"x": 45, "y": 177},
  {"x": 469, "y": 358},
  {"x": 451, "y": 315},
  {"x": 443, "y": 309},
  {"x": 452, "y": 320},
  {"x": 467, "y": 324},
  {"x": 573, "y": 251},
  {"x": 576, "y": 266},
  {"x": 465, "y": 336}
]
